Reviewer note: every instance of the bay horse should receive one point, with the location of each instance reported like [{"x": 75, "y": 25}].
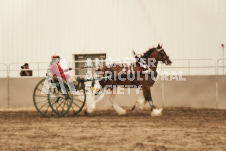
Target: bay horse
[{"x": 145, "y": 67}]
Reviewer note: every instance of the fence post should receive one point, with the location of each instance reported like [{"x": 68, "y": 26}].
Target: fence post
[
  {"x": 222, "y": 45},
  {"x": 216, "y": 73},
  {"x": 163, "y": 86},
  {"x": 188, "y": 67},
  {"x": 38, "y": 69},
  {"x": 8, "y": 72}
]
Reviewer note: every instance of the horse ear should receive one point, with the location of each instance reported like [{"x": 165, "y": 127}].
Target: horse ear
[
  {"x": 134, "y": 52},
  {"x": 159, "y": 46}
]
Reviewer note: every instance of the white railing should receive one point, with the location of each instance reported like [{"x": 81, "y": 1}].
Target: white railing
[
  {"x": 187, "y": 66},
  {"x": 40, "y": 68},
  {"x": 4, "y": 70},
  {"x": 220, "y": 66},
  {"x": 217, "y": 74}
]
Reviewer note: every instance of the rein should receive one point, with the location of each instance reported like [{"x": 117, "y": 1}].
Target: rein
[
  {"x": 144, "y": 65},
  {"x": 141, "y": 62}
]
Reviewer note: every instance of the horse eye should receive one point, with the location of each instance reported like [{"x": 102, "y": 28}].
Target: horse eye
[{"x": 162, "y": 52}]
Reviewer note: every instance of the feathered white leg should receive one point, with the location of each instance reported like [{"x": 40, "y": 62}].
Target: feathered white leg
[
  {"x": 90, "y": 103},
  {"x": 91, "y": 98},
  {"x": 156, "y": 112},
  {"x": 117, "y": 108},
  {"x": 140, "y": 103}
]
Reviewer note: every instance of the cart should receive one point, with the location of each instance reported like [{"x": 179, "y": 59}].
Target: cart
[{"x": 53, "y": 98}]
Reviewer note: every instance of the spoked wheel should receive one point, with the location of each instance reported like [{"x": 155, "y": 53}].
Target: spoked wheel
[
  {"x": 78, "y": 102},
  {"x": 59, "y": 103},
  {"x": 49, "y": 102}
]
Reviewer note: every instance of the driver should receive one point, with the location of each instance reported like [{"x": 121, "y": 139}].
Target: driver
[{"x": 55, "y": 70}]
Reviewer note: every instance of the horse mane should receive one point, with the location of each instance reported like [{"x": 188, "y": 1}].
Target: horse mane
[{"x": 148, "y": 52}]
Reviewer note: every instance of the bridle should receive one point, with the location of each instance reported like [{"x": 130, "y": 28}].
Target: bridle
[{"x": 165, "y": 58}]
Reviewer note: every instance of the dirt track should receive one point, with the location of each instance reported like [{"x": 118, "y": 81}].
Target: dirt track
[{"x": 177, "y": 129}]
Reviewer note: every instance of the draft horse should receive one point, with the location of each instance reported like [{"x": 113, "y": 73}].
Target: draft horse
[{"x": 145, "y": 67}]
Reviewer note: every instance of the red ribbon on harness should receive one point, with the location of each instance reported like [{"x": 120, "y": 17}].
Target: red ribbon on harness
[{"x": 140, "y": 69}]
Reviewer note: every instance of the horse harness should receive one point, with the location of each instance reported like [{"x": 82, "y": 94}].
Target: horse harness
[{"x": 143, "y": 65}]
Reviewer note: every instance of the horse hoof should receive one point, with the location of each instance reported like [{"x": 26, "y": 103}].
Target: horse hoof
[
  {"x": 123, "y": 112},
  {"x": 134, "y": 111},
  {"x": 156, "y": 112},
  {"x": 87, "y": 112}
]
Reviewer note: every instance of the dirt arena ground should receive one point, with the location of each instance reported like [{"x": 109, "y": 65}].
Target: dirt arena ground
[{"x": 177, "y": 129}]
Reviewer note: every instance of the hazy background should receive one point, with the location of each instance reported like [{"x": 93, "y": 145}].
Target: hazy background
[{"x": 34, "y": 30}]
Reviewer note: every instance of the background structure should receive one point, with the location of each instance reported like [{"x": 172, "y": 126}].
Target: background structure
[{"x": 34, "y": 30}]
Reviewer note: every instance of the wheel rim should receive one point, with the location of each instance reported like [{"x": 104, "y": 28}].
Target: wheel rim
[
  {"x": 78, "y": 102},
  {"x": 59, "y": 103},
  {"x": 43, "y": 101}
]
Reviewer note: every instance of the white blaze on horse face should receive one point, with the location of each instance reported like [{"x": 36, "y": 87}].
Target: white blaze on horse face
[{"x": 166, "y": 62}]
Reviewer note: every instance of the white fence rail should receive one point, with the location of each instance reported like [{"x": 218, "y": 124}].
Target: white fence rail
[
  {"x": 39, "y": 69},
  {"x": 221, "y": 67},
  {"x": 186, "y": 66},
  {"x": 192, "y": 66},
  {"x": 4, "y": 70}
]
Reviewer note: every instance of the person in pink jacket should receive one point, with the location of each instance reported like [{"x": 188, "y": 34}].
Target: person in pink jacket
[{"x": 55, "y": 70}]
